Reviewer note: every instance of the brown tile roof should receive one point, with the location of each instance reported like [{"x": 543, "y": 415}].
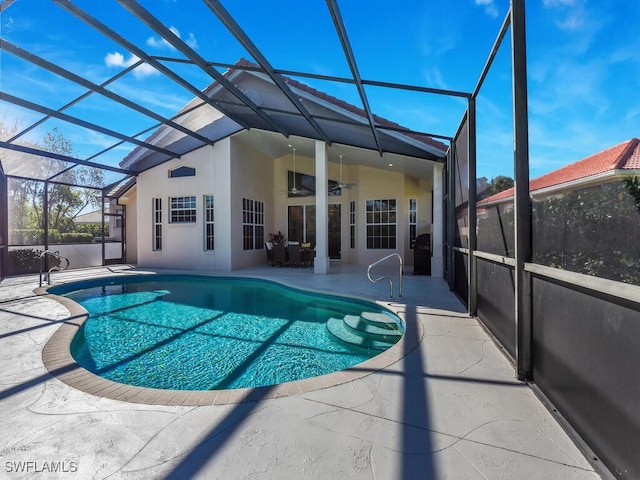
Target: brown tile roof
[{"x": 624, "y": 156}]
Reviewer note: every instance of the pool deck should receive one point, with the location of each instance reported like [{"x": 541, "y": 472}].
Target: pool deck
[{"x": 444, "y": 405}]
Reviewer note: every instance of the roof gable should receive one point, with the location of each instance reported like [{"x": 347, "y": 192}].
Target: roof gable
[
  {"x": 624, "y": 156},
  {"x": 342, "y": 122}
]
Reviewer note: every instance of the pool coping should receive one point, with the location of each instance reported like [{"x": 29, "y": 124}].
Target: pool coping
[{"x": 57, "y": 358}]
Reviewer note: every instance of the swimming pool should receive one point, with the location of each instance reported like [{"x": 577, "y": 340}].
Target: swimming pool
[{"x": 212, "y": 333}]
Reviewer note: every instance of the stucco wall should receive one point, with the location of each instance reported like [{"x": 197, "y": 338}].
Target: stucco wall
[
  {"x": 183, "y": 244},
  {"x": 256, "y": 176},
  {"x": 131, "y": 218},
  {"x": 252, "y": 178}
]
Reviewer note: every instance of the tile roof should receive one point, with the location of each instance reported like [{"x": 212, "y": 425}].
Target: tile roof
[
  {"x": 163, "y": 135},
  {"x": 624, "y": 156},
  {"x": 382, "y": 122}
]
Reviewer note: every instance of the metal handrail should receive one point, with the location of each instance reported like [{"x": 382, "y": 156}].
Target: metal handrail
[
  {"x": 56, "y": 268},
  {"x": 375, "y": 280}
]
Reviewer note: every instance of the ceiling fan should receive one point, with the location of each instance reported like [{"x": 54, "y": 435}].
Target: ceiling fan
[
  {"x": 341, "y": 184},
  {"x": 294, "y": 190}
]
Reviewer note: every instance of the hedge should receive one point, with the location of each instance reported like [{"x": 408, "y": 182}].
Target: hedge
[{"x": 35, "y": 236}]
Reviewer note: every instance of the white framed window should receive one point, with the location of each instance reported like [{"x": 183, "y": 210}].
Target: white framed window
[
  {"x": 413, "y": 221},
  {"x": 252, "y": 224},
  {"x": 381, "y": 224},
  {"x": 182, "y": 210},
  {"x": 352, "y": 224},
  {"x": 157, "y": 224},
  {"x": 209, "y": 242}
]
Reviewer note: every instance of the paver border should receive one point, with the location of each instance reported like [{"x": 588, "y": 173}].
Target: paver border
[{"x": 57, "y": 358}]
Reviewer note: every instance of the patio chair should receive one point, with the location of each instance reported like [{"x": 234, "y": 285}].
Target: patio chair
[
  {"x": 268, "y": 246},
  {"x": 307, "y": 253},
  {"x": 294, "y": 255},
  {"x": 279, "y": 255}
]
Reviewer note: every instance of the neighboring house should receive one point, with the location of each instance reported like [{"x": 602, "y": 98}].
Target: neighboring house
[
  {"x": 563, "y": 228},
  {"x": 112, "y": 220},
  {"x": 214, "y": 207},
  {"x": 89, "y": 218},
  {"x": 612, "y": 164}
]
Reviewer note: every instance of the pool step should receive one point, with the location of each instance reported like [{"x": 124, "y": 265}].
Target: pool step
[
  {"x": 361, "y": 326},
  {"x": 369, "y": 330}
]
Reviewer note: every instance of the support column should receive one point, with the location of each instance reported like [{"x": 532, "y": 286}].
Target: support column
[
  {"x": 522, "y": 200},
  {"x": 451, "y": 216},
  {"x": 437, "y": 265},
  {"x": 104, "y": 253},
  {"x": 4, "y": 225},
  {"x": 321, "y": 263},
  {"x": 473, "y": 241}
]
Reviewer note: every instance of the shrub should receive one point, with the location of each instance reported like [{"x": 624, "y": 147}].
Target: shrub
[
  {"x": 27, "y": 260},
  {"x": 26, "y": 236},
  {"x": 73, "y": 237}
]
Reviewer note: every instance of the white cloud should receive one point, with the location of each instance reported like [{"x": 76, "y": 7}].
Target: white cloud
[
  {"x": 489, "y": 7},
  {"x": 167, "y": 103},
  {"x": 573, "y": 15},
  {"x": 434, "y": 78},
  {"x": 158, "y": 42},
  {"x": 116, "y": 59}
]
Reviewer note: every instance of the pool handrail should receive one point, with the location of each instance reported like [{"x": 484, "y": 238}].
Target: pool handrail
[
  {"x": 54, "y": 268},
  {"x": 375, "y": 280}
]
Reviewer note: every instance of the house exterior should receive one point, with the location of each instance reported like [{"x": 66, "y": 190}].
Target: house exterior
[
  {"x": 215, "y": 206},
  {"x": 581, "y": 215},
  {"x": 611, "y": 164}
]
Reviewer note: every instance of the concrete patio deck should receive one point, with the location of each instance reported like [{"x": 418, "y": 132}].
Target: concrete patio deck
[{"x": 448, "y": 408}]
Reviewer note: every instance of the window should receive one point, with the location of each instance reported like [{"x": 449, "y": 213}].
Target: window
[
  {"x": 381, "y": 224},
  {"x": 252, "y": 224},
  {"x": 208, "y": 223},
  {"x": 413, "y": 221},
  {"x": 157, "y": 224},
  {"x": 183, "y": 210},
  {"x": 352, "y": 224},
  {"x": 182, "y": 172}
]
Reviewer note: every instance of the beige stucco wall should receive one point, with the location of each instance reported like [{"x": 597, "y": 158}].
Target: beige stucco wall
[
  {"x": 183, "y": 244},
  {"x": 232, "y": 170},
  {"x": 252, "y": 178},
  {"x": 131, "y": 217}
]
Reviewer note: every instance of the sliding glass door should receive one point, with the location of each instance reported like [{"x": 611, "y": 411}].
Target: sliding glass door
[{"x": 301, "y": 226}]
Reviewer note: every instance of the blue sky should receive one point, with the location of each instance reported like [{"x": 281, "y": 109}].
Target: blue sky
[{"x": 583, "y": 66}]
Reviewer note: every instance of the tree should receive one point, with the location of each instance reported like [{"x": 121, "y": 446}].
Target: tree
[
  {"x": 591, "y": 231},
  {"x": 500, "y": 183},
  {"x": 65, "y": 202},
  {"x": 497, "y": 184}
]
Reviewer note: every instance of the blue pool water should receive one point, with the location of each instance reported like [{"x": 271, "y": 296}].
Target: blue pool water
[{"x": 209, "y": 333}]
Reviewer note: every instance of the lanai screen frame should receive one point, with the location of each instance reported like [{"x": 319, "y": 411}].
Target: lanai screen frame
[
  {"x": 12, "y": 146},
  {"x": 523, "y": 268},
  {"x": 515, "y": 19}
]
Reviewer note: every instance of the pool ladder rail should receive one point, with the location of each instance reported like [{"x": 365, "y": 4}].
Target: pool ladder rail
[
  {"x": 376, "y": 280},
  {"x": 54, "y": 268}
]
